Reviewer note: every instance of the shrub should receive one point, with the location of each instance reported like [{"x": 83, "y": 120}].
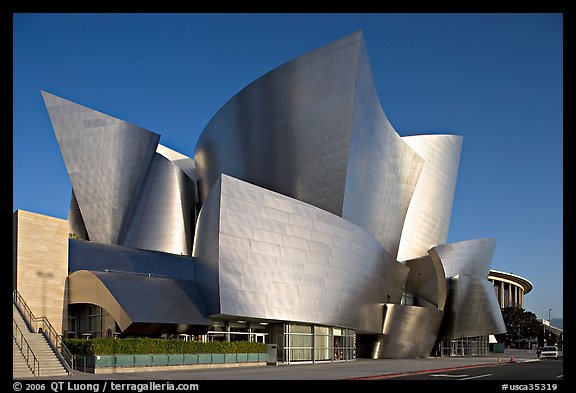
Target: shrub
[{"x": 143, "y": 346}]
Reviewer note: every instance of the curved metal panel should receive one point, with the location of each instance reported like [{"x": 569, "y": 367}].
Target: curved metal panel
[
  {"x": 313, "y": 129},
  {"x": 85, "y": 287},
  {"x": 382, "y": 169},
  {"x": 427, "y": 282},
  {"x": 472, "y": 309},
  {"x": 185, "y": 163},
  {"x": 288, "y": 131},
  {"x": 106, "y": 159},
  {"x": 84, "y": 255},
  {"x": 162, "y": 220},
  {"x": 471, "y": 257},
  {"x": 206, "y": 250},
  {"x": 428, "y": 216},
  {"x": 123, "y": 295},
  {"x": 281, "y": 259},
  {"x": 408, "y": 332}
]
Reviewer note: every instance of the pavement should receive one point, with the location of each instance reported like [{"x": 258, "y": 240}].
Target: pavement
[{"x": 359, "y": 369}]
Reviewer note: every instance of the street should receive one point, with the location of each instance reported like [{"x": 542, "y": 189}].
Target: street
[{"x": 539, "y": 370}]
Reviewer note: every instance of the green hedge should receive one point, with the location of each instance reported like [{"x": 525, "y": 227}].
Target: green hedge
[{"x": 142, "y": 346}]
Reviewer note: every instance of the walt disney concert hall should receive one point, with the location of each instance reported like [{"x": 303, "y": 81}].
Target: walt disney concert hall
[{"x": 301, "y": 218}]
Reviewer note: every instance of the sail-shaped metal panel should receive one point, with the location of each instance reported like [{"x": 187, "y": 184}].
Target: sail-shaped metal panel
[
  {"x": 107, "y": 160},
  {"x": 472, "y": 309},
  {"x": 382, "y": 169},
  {"x": 471, "y": 257},
  {"x": 428, "y": 217},
  {"x": 163, "y": 218},
  {"x": 289, "y": 130}
]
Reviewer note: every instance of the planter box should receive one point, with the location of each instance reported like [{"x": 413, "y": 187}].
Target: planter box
[
  {"x": 252, "y": 357},
  {"x": 142, "y": 360},
  {"x": 241, "y": 358},
  {"x": 104, "y": 361},
  {"x": 175, "y": 359},
  {"x": 89, "y": 363},
  {"x": 159, "y": 360},
  {"x": 124, "y": 360},
  {"x": 190, "y": 358}
]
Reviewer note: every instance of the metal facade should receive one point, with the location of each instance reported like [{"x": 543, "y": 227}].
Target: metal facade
[
  {"x": 107, "y": 161},
  {"x": 408, "y": 332},
  {"x": 299, "y": 203},
  {"x": 179, "y": 305},
  {"x": 313, "y": 129},
  {"x": 85, "y": 255},
  {"x": 289, "y": 130},
  {"x": 281, "y": 259},
  {"x": 471, "y": 257},
  {"x": 382, "y": 169},
  {"x": 472, "y": 308},
  {"x": 428, "y": 216},
  {"x": 426, "y": 282},
  {"x": 163, "y": 218}
]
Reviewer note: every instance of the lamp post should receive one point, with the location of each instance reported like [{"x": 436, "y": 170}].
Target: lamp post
[{"x": 549, "y": 323}]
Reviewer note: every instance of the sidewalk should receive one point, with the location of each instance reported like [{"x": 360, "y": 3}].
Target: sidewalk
[{"x": 357, "y": 369}]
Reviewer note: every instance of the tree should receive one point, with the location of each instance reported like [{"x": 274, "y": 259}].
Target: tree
[{"x": 520, "y": 324}]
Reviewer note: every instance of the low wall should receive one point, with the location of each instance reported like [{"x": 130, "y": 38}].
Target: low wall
[{"x": 157, "y": 362}]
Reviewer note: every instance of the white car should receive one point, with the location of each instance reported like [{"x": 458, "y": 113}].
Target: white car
[{"x": 550, "y": 352}]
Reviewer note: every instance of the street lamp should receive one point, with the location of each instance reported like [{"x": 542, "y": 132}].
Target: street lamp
[{"x": 549, "y": 323}]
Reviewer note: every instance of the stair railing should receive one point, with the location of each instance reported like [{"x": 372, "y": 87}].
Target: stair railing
[
  {"x": 22, "y": 344},
  {"x": 43, "y": 325}
]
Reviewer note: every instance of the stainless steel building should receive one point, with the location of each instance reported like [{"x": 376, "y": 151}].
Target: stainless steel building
[{"x": 303, "y": 219}]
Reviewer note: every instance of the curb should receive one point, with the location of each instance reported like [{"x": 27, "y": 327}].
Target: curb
[{"x": 394, "y": 375}]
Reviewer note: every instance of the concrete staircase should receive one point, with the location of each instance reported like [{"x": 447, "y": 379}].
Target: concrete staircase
[
  {"x": 50, "y": 364},
  {"x": 20, "y": 368}
]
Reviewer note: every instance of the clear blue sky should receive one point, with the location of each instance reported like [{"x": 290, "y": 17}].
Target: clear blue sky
[{"x": 494, "y": 78}]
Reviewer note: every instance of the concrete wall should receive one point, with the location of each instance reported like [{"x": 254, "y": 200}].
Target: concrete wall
[{"x": 40, "y": 264}]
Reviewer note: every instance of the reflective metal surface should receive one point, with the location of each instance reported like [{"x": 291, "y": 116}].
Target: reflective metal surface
[
  {"x": 426, "y": 282},
  {"x": 162, "y": 220},
  {"x": 382, "y": 169},
  {"x": 107, "y": 160},
  {"x": 123, "y": 191},
  {"x": 472, "y": 309},
  {"x": 428, "y": 216},
  {"x": 84, "y": 255},
  {"x": 289, "y": 130},
  {"x": 273, "y": 257},
  {"x": 471, "y": 257},
  {"x": 313, "y": 129},
  {"x": 408, "y": 332},
  {"x": 309, "y": 198},
  {"x": 133, "y": 299}
]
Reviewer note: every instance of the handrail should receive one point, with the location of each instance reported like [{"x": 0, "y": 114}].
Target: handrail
[
  {"x": 43, "y": 325},
  {"x": 19, "y": 336}
]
